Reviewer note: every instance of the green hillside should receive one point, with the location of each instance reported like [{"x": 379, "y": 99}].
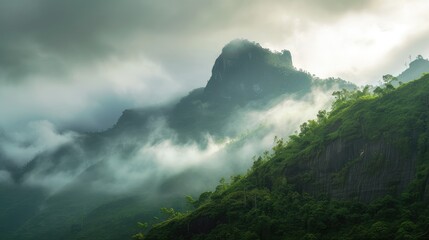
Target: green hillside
[{"x": 358, "y": 172}]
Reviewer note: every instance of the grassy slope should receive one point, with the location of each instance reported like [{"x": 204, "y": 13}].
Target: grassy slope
[{"x": 263, "y": 205}]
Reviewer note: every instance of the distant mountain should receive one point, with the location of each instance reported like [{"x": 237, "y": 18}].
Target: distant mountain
[
  {"x": 415, "y": 70},
  {"x": 245, "y": 71},
  {"x": 244, "y": 76},
  {"x": 358, "y": 172}
]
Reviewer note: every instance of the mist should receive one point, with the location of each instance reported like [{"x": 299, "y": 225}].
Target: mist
[
  {"x": 75, "y": 103},
  {"x": 157, "y": 165}
]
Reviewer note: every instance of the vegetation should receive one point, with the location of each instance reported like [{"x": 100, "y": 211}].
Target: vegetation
[{"x": 270, "y": 201}]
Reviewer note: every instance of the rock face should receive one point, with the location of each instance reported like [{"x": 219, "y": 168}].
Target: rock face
[
  {"x": 246, "y": 71},
  {"x": 378, "y": 151},
  {"x": 357, "y": 170}
]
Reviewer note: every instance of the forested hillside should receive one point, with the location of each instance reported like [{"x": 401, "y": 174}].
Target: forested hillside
[{"x": 360, "y": 171}]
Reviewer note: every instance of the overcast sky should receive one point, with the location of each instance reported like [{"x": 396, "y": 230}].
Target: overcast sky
[{"x": 79, "y": 63}]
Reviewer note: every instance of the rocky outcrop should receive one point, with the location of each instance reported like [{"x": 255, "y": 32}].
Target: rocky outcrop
[
  {"x": 357, "y": 169},
  {"x": 246, "y": 71}
]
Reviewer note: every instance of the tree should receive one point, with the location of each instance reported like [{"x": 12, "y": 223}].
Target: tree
[
  {"x": 379, "y": 230},
  {"x": 140, "y": 235},
  {"x": 322, "y": 115},
  {"x": 171, "y": 213},
  {"x": 378, "y": 91},
  {"x": 192, "y": 203},
  {"x": 389, "y": 78}
]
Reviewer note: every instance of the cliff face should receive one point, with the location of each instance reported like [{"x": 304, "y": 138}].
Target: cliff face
[
  {"x": 357, "y": 169},
  {"x": 376, "y": 150},
  {"x": 245, "y": 71}
]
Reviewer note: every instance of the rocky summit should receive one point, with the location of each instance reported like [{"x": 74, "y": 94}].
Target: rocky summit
[{"x": 245, "y": 71}]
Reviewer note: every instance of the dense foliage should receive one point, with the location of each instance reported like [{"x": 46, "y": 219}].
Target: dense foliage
[
  {"x": 266, "y": 203},
  {"x": 265, "y": 214}
]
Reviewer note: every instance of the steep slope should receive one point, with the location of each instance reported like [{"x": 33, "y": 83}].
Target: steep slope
[{"x": 360, "y": 172}]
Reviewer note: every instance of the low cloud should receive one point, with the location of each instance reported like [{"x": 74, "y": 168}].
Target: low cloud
[
  {"x": 5, "y": 177},
  {"x": 159, "y": 165},
  {"x": 90, "y": 99},
  {"x": 194, "y": 169},
  {"x": 21, "y": 146}
]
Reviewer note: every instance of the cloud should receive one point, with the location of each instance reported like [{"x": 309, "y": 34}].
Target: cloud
[
  {"x": 54, "y": 37},
  {"x": 153, "y": 164},
  {"x": 62, "y": 56},
  {"x": 85, "y": 104},
  {"x": 159, "y": 165},
  {"x": 358, "y": 46},
  {"x": 20, "y": 147},
  {"x": 5, "y": 177},
  {"x": 175, "y": 168},
  {"x": 51, "y": 36}
]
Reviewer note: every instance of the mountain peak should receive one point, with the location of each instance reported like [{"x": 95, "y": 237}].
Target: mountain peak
[
  {"x": 419, "y": 61},
  {"x": 239, "y": 45},
  {"x": 416, "y": 68},
  {"x": 244, "y": 49},
  {"x": 245, "y": 70}
]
